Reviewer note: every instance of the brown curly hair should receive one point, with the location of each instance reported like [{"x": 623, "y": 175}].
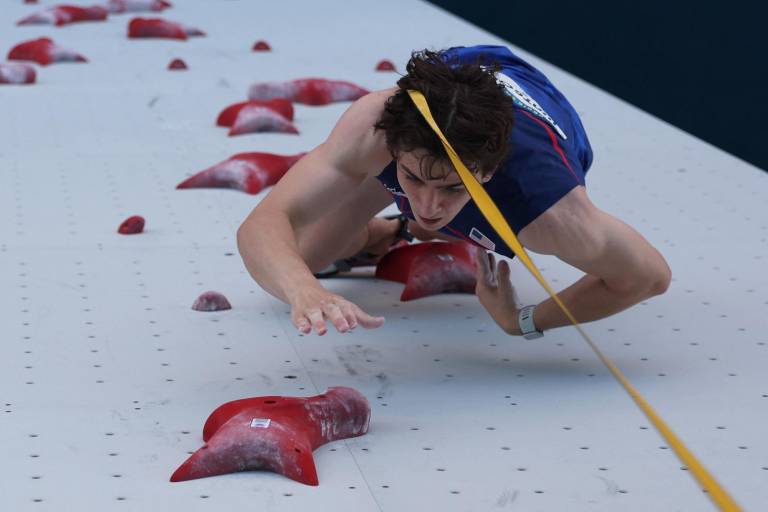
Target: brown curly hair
[{"x": 471, "y": 108}]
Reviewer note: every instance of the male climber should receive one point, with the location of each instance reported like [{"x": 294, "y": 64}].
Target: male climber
[{"x": 521, "y": 139}]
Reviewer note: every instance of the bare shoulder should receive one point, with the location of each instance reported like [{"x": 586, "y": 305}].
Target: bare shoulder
[
  {"x": 353, "y": 143},
  {"x": 579, "y": 233},
  {"x": 567, "y": 222}
]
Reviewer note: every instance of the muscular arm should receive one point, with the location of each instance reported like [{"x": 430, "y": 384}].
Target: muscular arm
[
  {"x": 269, "y": 239},
  {"x": 621, "y": 267}
]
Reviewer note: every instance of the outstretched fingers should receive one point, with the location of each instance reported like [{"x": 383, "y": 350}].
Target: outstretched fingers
[
  {"x": 366, "y": 320},
  {"x": 317, "y": 319},
  {"x": 335, "y": 315},
  {"x": 302, "y": 323},
  {"x": 349, "y": 314},
  {"x": 344, "y": 315}
]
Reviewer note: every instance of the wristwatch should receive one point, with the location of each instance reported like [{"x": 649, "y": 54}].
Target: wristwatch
[{"x": 525, "y": 321}]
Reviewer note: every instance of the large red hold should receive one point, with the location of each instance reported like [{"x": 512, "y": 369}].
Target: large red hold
[
  {"x": 17, "y": 73},
  {"x": 248, "y": 172},
  {"x": 281, "y": 106},
  {"x": 132, "y": 225},
  {"x": 121, "y": 6},
  {"x": 43, "y": 51},
  {"x": 309, "y": 91},
  {"x": 276, "y": 433},
  {"x": 430, "y": 268},
  {"x": 64, "y": 14},
  {"x": 160, "y": 28}
]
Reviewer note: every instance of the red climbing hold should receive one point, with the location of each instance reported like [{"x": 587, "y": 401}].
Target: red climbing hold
[
  {"x": 257, "y": 118},
  {"x": 121, "y": 6},
  {"x": 160, "y": 28},
  {"x": 64, "y": 14},
  {"x": 261, "y": 46},
  {"x": 177, "y": 64},
  {"x": 276, "y": 433},
  {"x": 309, "y": 91},
  {"x": 281, "y": 106},
  {"x": 211, "y": 301},
  {"x": 430, "y": 268},
  {"x": 17, "y": 73},
  {"x": 385, "y": 65},
  {"x": 249, "y": 172},
  {"x": 43, "y": 51},
  {"x": 30, "y": 1},
  {"x": 132, "y": 225}
]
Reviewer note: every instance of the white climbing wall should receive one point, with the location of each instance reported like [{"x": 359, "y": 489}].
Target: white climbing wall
[{"x": 107, "y": 375}]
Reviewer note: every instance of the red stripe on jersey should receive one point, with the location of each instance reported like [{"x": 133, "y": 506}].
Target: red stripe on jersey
[{"x": 555, "y": 145}]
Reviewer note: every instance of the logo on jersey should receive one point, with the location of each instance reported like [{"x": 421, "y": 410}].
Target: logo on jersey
[
  {"x": 481, "y": 239},
  {"x": 523, "y": 100}
]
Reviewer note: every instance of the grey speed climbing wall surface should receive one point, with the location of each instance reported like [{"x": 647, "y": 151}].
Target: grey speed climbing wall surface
[{"x": 107, "y": 374}]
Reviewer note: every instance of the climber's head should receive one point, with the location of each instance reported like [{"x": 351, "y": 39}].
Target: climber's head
[{"x": 474, "y": 113}]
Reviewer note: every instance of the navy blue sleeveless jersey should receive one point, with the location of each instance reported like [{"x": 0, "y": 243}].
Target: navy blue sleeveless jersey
[{"x": 550, "y": 153}]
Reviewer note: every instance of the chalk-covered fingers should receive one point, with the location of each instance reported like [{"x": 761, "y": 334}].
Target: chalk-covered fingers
[
  {"x": 311, "y": 309},
  {"x": 316, "y": 318},
  {"x": 332, "y": 311},
  {"x": 366, "y": 320},
  {"x": 485, "y": 269},
  {"x": 495, "y": 291}
]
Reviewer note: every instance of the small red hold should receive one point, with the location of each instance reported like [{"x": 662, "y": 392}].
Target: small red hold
[
  {"x": 30, "y": 1},
  {"x": 281, "y": 106},
  {"x": 309, "y": 91},
  {"x": 177, "y": 64},
  {"x": 122, "y": 6},
  {"x": 248, "y": 172},
  {"x": 17, "y": 73},
  {"x": 430, "y": 268},
  {"x": 276, "y": 433},
  {"x": 43, "y": 51},
  {"x": 64, "y": 14},
  {"x": 160, "y": 28},
  {"x": 385, "y": 65},
  {"x": 132, "y": 225},
  {"x": 261, "y": 46},
  {"x": 211, "y": 301}
]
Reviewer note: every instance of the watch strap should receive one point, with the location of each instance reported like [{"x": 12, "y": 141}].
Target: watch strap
[{"x": 525, "y": 321}]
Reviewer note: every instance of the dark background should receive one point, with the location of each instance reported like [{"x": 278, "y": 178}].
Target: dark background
[{"x": 702, "y": 67}]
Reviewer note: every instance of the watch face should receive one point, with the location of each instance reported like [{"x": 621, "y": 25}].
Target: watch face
[{"x": 533, "y": 335}]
